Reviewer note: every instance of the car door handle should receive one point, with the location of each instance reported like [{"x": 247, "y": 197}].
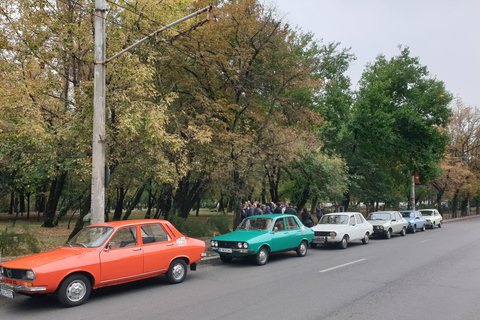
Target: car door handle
[
  {"x": 170, "y": 244},
  {"x": 137, "y": 249}
]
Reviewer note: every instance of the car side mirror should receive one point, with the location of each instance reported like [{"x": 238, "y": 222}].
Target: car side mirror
[{"x": 110, "y": 246}]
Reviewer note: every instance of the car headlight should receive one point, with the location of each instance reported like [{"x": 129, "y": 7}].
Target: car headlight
[
  {"x": 333, "y": 234},
  {"x": 380, "y": 227},
  {"x": 214, "y": 243},
  {"x": 30, "y": 275},
  {"x": 240, "y": 245},
  {"x": 245, "y": 245}
]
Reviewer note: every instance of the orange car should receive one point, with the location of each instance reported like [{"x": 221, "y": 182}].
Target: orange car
[{"x": 102, "y": 255}]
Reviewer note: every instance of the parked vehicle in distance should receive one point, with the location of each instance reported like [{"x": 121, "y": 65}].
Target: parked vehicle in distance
[
  {"x": 432, "y": 217},
  {"x": 386, "y": 223},
  {"x": 342, "y": 228},
  {"x": 415, "y": 220},
  {"x": 259, "y": 236},
  {"x": 102, "y": 255}
]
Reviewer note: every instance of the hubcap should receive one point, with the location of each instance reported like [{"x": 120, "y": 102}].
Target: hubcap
[
  {"x": 262, "y": 256},
  {"x": 76, "y": 290},
  {"x": 178, "y": 271}
]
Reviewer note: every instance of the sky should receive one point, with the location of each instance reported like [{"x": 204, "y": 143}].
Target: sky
[{"x": 444, "y": 34}]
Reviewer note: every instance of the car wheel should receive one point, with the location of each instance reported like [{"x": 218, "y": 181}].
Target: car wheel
[
  {"x": 74, "y": 290},
  {"x": 389, "y": 234},
  {"x": 440, "y": 224},
  {"x": 433, "y": 226},
  {"x": 423, "y": 228},
  {"x": 177, "y": 271},
  {"x": 302, "y": 249},
  {"x": 366, "y": 238},
  {"x": 414, "y": 229},
  {"x": 225, "y": 259},
  {"x": 344, "y": 243},
  {"x": 404, "y": 232},
  {"x": 262, "y": 256}
]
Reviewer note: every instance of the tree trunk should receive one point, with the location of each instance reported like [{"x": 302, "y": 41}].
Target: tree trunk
[
  {"x": 56, "y": 189},
  {"x": 83, "y": 212},
  {"x": 464, "y": 209},
  {"x": 135, "y": 201},
  {"x": 121, "y": 193},
  {"x": 346, "y": 201},
  {"x": 12, "y": 201}
]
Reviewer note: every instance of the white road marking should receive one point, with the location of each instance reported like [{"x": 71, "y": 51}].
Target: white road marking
[{"x": 342, "y": 265}]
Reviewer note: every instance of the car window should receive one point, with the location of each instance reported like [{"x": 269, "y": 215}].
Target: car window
[
  {"x": 153, "y": 233},
  {"x": 352, "y": 220},
  {"x": 126, "y": 237},
  {"x": 407, "y": 214},
  {"x": 379, "y": 216},
  {"x": 291, "y": 223},
  {"x": 279, "y": 224},
  {"x": 359, "y": 218},
  {"x": 334, "y": 219}
]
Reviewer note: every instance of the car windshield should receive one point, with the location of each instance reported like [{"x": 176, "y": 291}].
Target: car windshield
[
  {"x": 427, "y": 213},
  {"x": 407, "y": 214},
  {"x": 90, "y": 237},
  {"x": 334, "y": 219},
  {"x": 263, "y": 224},
  {"x": 379, "y": 216}
]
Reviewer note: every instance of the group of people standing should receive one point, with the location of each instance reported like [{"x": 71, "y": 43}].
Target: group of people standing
[{"x": 254, "y": 209}]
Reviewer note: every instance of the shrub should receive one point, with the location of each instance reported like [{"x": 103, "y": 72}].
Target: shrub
[
  {"x": 15, "y": 244},
  {"x": 190, "y": 228},
  {"x": 220, "y": 223}
]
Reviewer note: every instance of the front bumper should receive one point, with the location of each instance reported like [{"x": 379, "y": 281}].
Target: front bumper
[
  {"x": 325, "y": 239},
  {"x": 233, "y": 251},
  {"x": 19, "y": 288}
]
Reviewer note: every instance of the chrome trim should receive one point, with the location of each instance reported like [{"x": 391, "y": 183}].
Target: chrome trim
[
  {"x": 138, "y": 275},
  {"x": 19, "y": 288}
]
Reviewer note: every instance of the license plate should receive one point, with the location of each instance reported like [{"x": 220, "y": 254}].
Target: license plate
[
  {"x": 225, "y": 250},
  {"x": 319, "y": 240},
  {"x": 4, "y": 291}
]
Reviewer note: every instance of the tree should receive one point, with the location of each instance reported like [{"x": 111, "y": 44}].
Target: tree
[{"x": 398, "y": 122}]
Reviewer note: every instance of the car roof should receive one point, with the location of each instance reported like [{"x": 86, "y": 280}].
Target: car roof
[
  {"x": 274, "y": 215},
  {"x": 384, "y": 211},
  {"x": 333, "y": 213},
  {"x": 122, "y": 223}
]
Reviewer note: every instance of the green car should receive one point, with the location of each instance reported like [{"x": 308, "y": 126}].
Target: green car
[{"x": 260, "y": 236}]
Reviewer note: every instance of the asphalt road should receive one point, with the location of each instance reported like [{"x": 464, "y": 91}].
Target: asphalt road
[{"x": 427, "y": 275}]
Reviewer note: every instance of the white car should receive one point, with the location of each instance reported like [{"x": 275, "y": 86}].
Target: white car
[
  {"x": 433, "y": 218},
  {"x": 341, "y": 228},
  {"x": 386, "y": 223}
]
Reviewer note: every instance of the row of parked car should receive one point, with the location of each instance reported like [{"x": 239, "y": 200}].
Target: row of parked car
[
  {"x": 260, "y": 236},
  {"x": 116, "y": 252}
]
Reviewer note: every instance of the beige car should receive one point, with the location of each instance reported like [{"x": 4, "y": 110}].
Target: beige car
[
  {"x": 433, "y": 218},
  {"x": 386, "y": 223}
]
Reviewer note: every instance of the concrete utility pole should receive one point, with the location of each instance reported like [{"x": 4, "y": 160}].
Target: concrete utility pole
[
  {"x": 412, "y": 192},
  {"x": 98, "y": 150}
]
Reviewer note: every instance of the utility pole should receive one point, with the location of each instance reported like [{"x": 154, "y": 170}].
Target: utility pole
[
  {"x": 412, "y": 192},
  {"x": 98, "y": 149}
]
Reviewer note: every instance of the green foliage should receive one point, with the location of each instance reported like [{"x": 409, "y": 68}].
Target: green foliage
[
  {"x": 221, "y": 223},
  {"x": 190, "y": 228},
  {"x": 15, "y": 244}
]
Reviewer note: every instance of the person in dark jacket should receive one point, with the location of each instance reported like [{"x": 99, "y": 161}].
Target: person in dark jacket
[
  {"x": 319, "y": 211},
  {"x": 290, "y": 209},
  {"x": 307, "y": 218}
]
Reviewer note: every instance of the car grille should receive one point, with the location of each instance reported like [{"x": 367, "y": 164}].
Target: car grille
[
  {"x": 322, "y": 233},
  {"x": 376, "y": 228},
  {"x": 227, "y": 244},
  {"x": 18, "y": 274}
]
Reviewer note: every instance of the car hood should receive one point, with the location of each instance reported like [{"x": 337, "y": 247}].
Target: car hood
[
  {"x": 241, "y": 235},
  {"x": 40, "y": 259},
  {"x": 379, "y": 222},
  {"x": 329, "y": 227}
]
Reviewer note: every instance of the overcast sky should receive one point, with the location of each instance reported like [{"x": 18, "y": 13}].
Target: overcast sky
[{"x": 444, "y": 34}]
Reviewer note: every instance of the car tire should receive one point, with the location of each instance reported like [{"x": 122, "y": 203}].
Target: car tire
[
  {"x": 343, "y": 243},
  {"x": 389, "y": 234},
  {"x": 225, "y": 259},
  {"x": 74, "y": 290},
  {"x": 433, "y": 226},
  {"x": 177, "y": 271},
  {"x": 366, "y": 238},
  {"x": 414, "y": 229},
  {"x": 262, "y": 256},
  {"x": 440, "y": 224},
  {"x": 423, "y": 227},
  {"x": 302, "y": 249},
  {"x": 404, "y": 231}
]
